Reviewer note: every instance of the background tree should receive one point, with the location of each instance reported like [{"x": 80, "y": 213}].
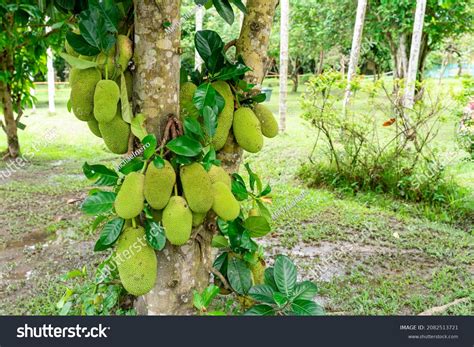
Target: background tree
[{"x": 284, "y": 32}]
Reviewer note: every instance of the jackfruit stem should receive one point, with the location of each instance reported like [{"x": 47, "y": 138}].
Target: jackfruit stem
[
  {"x": 145, "y": 166},
  {"x": 106, "y": 69},
  {"x": 134, "y": 223},
  {"x": 176, "y": 190}
]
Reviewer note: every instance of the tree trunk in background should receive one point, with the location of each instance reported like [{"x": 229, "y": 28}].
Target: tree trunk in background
[
  {"x": 413, "y": 64},
  {"x": 199, "y": 25},
  {"x": 51, "y": 89},
  {"x": 320, "y": 63},
  {"x": 402, "y": 59},
  {"x": 284, "y": 37},
  {"x": 355, "y": 50}
]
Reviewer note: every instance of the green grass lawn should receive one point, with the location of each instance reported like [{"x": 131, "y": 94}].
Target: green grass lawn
[{"x": 368, "y": 253}]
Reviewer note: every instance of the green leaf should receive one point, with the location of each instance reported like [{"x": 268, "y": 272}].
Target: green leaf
[
  {"x": 268, "y": 278},
  {"x": 239, "y": 190},
  {"x": 149, "y": 144},
  {"x": 98, "y": 203},
  {"x": 159, "y": 162},
  {"x": 80, "y": 45},
  {"x": 93, "y": 27},
  {"x": 306, "y": 290},
  {"x": 210, "y": 47},
  {"x": 209, "y": 294},
  {"x": 260, "y": 310},
  {"x": 210, "y": 120},
  {"x": 285, "y": 275},
  {"x": 101, "y": 174},
  {"x": 264, "y": 211},
  {"x": 98, "y": 220},
  {"x": 231, "y": 72},
  {"x": 206, "y": 95},
  {"x": 155, "y": 235},
  {"x": 110, "y": 233},
  {"x": 280, "y": 299},
  {"x": 225, "y": 10},
  {"x": 127, "y": 113},
  {"x": 306, "y": 308},
  {"x": 134, "y": 165},
  {"x": 219, "y": 241},
  {"x": 198, "y": 302},
  {"x": 78, "y": 63},
  {"x": 221, "y": 262},
  {"x": 184, "y": 145},
  {"x": 138, "y": 126},
  {"x": 108, "y": 11},
  {"x": 262, "y": 293},
  {"x": 258, "y": 226},
  {"x": 240, "y": 5},
  {"x": 239, "y": 275},
  {"x": 192, "y": 126}
]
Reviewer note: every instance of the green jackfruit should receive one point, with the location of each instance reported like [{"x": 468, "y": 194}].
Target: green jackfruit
[
  {"x": 225, "y": 118},
  {"x": 218, "y": 174},
  {"x": 258, "y": 272},
  {"x": 94, "y": 127},
  {"x": 136, "y": 262},
  {"x": 116, "y": 134},
  {"x": 116, "y": 63},
  {"x": 267, "y": 120},
  {"x": 198, "y": 218},
  {"x": 159, "y": 185},
  {"x": 83, "y": 84},
  {"x": 225, "y": 204},
  {"x": 247, "y": 130},
  {"x": 197, "y": 187},
  {"x": 130, "y": 199},
  {"x": 177, "y": 221},
  {"x": 186, "y": 94},
  {"x": 106, "y": 98}
]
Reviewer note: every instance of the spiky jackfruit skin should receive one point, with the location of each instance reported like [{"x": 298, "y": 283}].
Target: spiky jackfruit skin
[
  {"x": 197, "y": 187},
  {"x": 136, "y": 262},
  {"x": 125, "y": 51},
  {"x": 247, "y": 130},
  {"x": 83, "y": 83},
  {"x": 225, "y": 118},
  {"x": 225, "y": 204},
  {"x": 116, "y": 63},
  {"x": 130, "y": 198},
  {"x": 116, "y": 134},
  {"x": 106, "y": 98},
  {"x": 186, "y": 104},
  {"x": 218, "y": 174},
  {"x": 198, "y": 218},
  {"x": 94, "y": 127},
  {"x": 258, "y": 272},
  {"x": 177, "y": 221},
  {"x": 159, "y": 184},
  {"x": 267, "y": 120}
]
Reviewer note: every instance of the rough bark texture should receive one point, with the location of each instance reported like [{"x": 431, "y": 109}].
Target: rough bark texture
[{"x": 284, "y": 32}]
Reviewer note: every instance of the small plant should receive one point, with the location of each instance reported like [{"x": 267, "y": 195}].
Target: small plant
[{"x": 202, "y": 301}]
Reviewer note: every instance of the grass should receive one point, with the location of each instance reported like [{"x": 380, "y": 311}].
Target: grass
[{"x": 368, "y": 253}]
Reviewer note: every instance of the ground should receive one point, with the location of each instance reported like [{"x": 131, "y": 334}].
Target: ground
[{"x": 368, "y": 253}]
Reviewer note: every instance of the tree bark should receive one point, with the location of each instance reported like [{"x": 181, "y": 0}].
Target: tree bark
[
  {"x": 355, "y": 50},
  {"x": 284, "y": 37}
]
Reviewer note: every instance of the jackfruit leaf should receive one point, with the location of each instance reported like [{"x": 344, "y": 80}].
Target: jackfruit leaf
[
  {"x": 209, "y": 116},
  {"x": 306, "y": 290},
  {"x": 101, "y": 174},
  {"x": 269, "y": 279},
  {"x": 198, "y": 301},
  {"x": 234, "y": 233},
  {"x": 183, "y": 75},
  {"x": 209, "y": 294},
  {"x": 264, "y": 211},
  {"x": 109, "y": 11},
  {"x": 260, "y": 310},
  {"x": 262, "y": 293},
  {"x": 239, "y": 190},
  {"x": 219, "y": 241},
  {"x": 280, "y": 299},
  {"x": 210, "y": 47},
  {"x": 98, "y": 221},
  {"x": 134, "y": 165},
  {"x": 95, "y": 29},
  {"x": 306, "y": 308},
  {"x": 206, "y": 95},
  {"x": 210, "y": 159},
  {"x": 127, "y": 114},
  {"x": 20, "y": 125},
  {"x": 231, "y": 72},
  {"x": 155, "y": 235},
  {"x": 225, "y": 10},
  {"x": 247, "y": 243},
  {"x": 99, "y": 203},
  {"x": 239, "y": 275},
  {"x": 257, "y": 226},
  {"x": 192, "y": 126},
  {"x": 265, "y": 192},
  {"x": 284, "y": 274},
  {"x": 253, "y": 178},
  {"x": 240, "y": 5},
  {"x": 184, "y": 145},
  {"x": 259, "y": 98},
  {"x": 200, "y": 2},
  {"x": 138, "y": 126},
  {"x": 78, "y": 63},
  {"x": 80, "y": 45},
  {"x": 110, "y": 233},
  {"x": 179, "y": 159},
  {"x": 159, "y": 162},
  {"x": 220, "y": 264},
  {"x": 149, "y": 144}
]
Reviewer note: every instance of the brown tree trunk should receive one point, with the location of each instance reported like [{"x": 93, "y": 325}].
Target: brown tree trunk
[{"x": 10, "y": 128}]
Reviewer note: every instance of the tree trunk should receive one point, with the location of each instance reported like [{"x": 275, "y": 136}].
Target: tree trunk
[
  {"x": 51, "y": 87},
  {"x": 355, "y": 50},
  {"x": 284, "y": 37},
  {"x": 402, "y": 58},
  {"x": 11, "y": 130},
  {"x": 181, "y": 270},
  {"x": 413, "y": 64},
  {"x": 199, "y": 25},
  {"x": 321, "y": 62}
]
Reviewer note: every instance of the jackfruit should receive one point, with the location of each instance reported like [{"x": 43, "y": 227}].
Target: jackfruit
[
  {"x": 83, "y": 83},
  {"x": 116, "y": 134},
  {"x": 136, "y": 262},
  {"x": 159, "y": 184},
  {"x": 225, "y": 118},
  {"x": 198, "y": 218},
  {"x": 197, "y": 187},
  {"x": 267, "y": 120},
  {"x": 116, "y": 62},
  {"x": 258, "y": 272},
  {"x": 247, "y": 130},
  {"x": 177, "y": 221},
  {"x": 94, "y": 127},
  {"x": 186, "y": 104},
  {"x": 106, "y": 98},
  {"x": 130, "y": 199},
  {"x": 225, "y": 204},
  {"x": 218, "y": 174}
]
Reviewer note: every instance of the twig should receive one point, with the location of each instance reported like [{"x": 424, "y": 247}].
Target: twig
[
  {"x": 230, "y": 44},
  {"x": 440, "y": 309},
  {"x": 221, "y": 277}
]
